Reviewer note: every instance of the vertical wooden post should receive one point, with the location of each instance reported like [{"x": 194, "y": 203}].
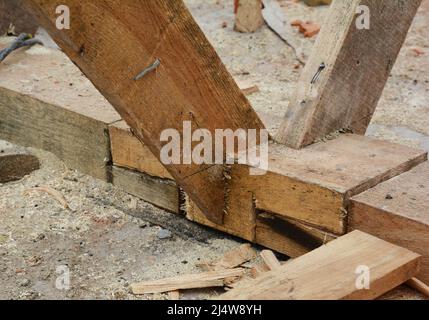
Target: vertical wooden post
[{"x": 348, "y": 69}]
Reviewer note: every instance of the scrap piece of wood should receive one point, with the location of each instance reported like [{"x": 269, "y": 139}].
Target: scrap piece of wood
[
  {"x": 190, "y": 84},
  {"x": 274, "y": 17},
  {"x": 418, "y": 285},
  {"x": 270, "y": 259},
  {"x": 15, "y": 166},
  {"x": 236, "y": 257},
  {"x": 250, "y": 90},
  {"x": 357, "y": 63},
  {"x": 162, "y": 193},
  {"x": 397, "y": 211},
  {"x": 191, "y": 281},
  {"x": 248, "y": 15},
  {"x": 174, "y": 295},
  {"x": 52, "y": 192},
  {"x": 332, "y": 272},
  {"x": 11, "y": 13},
  {"x": 55, "y": 109}
]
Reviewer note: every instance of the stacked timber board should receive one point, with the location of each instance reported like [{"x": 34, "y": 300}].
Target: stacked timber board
[
  {"x": 300, "y": 204},
  {"x": 398, "y": 211}
]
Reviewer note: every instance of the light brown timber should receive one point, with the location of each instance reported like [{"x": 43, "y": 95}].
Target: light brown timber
[
  {"x": 330, "y": 272},
  {"x": 398, "y": 211}
]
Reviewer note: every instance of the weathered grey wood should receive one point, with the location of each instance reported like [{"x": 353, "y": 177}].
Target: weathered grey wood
[
  {"x": 81, "y": 142},
  {"x": 162, "y": 193},
  {"x": 16, "y": 165},
  {"x": 358, "y": 63}
]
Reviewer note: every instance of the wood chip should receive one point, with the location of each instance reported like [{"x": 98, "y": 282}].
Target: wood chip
[
  {"x": 251, "y": 90},
  {"x": 52, "y": 192},
  {"x": 174, "y": 295},
  {"x": 419, "y": 286},
  {"x": 236, "y": 257},
  {"x": 191, "y": 281},
  {"x": 270, "y": 259}
]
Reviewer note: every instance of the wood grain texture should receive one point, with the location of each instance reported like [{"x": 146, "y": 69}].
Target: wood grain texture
[
  {"x": 358, "y": 63},
  {"x": 328, "y": 273},
  {"x": 15, "y": 166},
  {"x": 189, "y": 281},
  {"x": 313, "y": 185},
  {"x": 398, "y": 211},
  {"x": 129, "y": 152},
  {"x": 191, "y": 84},
  {"x": 81, "y": 142},
  {"x": 248, "y": 16},
  {"x": 162, "y": 193},
  {"x": 12, "y": 13}
]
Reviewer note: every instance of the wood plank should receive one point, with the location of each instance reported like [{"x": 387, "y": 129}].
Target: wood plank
[
  {"x": 328, "y": 273},
  {"x": 313, "y": 185},
  {"x": 79, "y": 141},
  {"x": 162, "y": 193},
  {"x": 358, "y": 63},
  {"x": 190, "y": 84},
  {"x": 398, "y": 211},
  {"x": 190, "y": 281}
]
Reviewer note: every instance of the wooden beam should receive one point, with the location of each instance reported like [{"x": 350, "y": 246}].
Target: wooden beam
[
  {"x": 108, "y": 42},
  {"x": 357, "y": 65},
  {"x": 398, "y": 211},
  {"x": 330, "y": 272}
]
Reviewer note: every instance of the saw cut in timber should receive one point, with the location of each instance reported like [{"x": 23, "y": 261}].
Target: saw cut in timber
[
  {"x": 15, "y": 166},
  {"x": 398, "y": 211},
  {"x": 344, "y": 78},
  {"x": 190, "y": 83},
  {"x": 329, "y": 273}
]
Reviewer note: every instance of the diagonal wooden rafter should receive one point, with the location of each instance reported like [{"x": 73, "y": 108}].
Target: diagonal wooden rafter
[
  {"x": 112, "y": 41},
  {"x": 357, "y": 64}
]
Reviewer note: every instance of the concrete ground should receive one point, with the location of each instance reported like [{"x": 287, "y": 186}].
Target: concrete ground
[{"x": 108, "y": 239}]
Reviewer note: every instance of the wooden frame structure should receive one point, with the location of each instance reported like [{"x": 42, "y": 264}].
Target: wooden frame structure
[{"x": 304, "y": 199}]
